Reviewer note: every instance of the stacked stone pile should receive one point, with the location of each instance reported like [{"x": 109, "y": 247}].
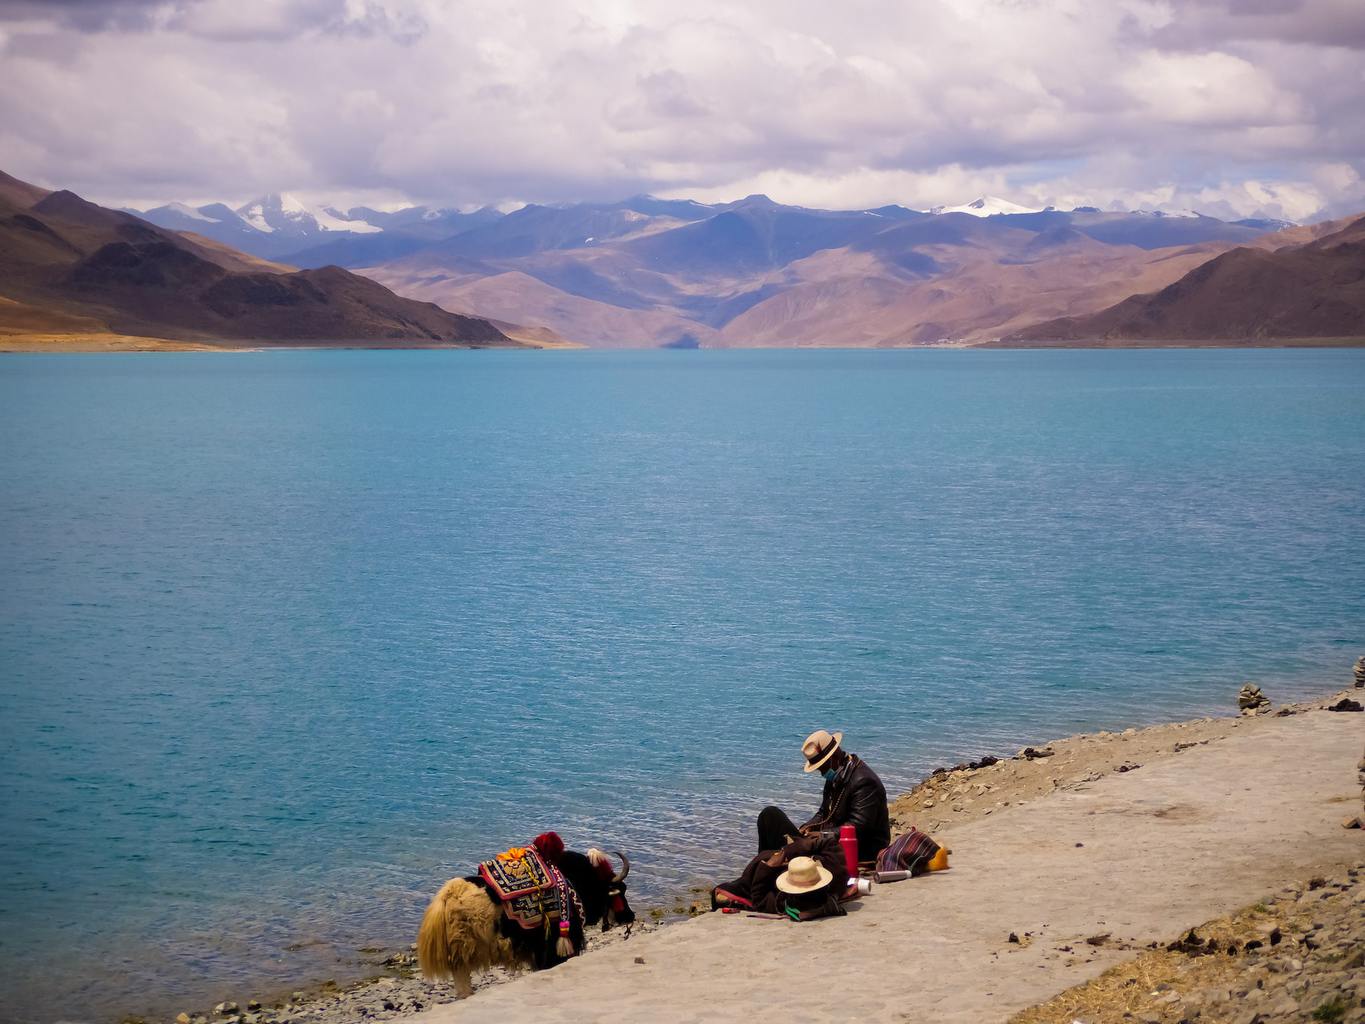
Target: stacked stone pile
[
  {"x": 1360, "y": 671},
  {"x": 1251, "y": 700}
]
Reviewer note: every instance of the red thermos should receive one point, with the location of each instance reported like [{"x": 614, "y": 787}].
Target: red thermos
[{"x": 848, "y": 839}]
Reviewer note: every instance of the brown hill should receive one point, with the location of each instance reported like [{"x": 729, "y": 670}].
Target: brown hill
[
  {"x": 70, "y": 267},
  {"x": 19, "y": 193},
  {"x": 1310, "y": 291}
]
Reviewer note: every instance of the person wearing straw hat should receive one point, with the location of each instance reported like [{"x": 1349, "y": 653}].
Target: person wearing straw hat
[
  {"x": 805, "y": 879},
  {"x": 853, "y": 795}
]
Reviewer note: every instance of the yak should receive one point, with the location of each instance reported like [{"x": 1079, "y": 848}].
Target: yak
[{"x": 465, "y": 929}]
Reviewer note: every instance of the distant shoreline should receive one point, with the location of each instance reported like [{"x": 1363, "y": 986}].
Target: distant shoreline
[
  {"x": 46, "y": 342},
  {"x": 85, "y": 344}
]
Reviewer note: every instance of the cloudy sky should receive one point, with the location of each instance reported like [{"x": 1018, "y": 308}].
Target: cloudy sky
[{"x": 1228, "y": 106}]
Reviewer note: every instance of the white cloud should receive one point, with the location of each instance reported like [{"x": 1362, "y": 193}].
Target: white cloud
[{"x": 921, "y": 103}]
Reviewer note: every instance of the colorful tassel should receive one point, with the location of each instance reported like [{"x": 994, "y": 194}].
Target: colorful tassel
[{"x": 564, "y": 947}]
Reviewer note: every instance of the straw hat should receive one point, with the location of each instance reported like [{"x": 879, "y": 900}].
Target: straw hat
[
  {"x": 818, "y": 747},
  {"x": 804, "y": 874}
]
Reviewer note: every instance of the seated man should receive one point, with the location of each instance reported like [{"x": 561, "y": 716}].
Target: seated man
[{"x": 853, "y": 796}]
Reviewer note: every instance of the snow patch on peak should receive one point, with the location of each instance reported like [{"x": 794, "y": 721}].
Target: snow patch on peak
[
  {"x": 254, "y": 215},
  {"x": 190, "y": 212},
  {"x": 329, "y": 219},
  {"x": 987, "y": 206},
  {"x": 290, "y": 206}
]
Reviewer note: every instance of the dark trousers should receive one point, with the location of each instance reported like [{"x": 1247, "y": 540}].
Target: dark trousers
[{"x": 774, "y": 828}]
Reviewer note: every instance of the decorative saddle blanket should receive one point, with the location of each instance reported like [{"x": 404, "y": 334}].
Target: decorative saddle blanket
[{"x": 530, "y": 890}]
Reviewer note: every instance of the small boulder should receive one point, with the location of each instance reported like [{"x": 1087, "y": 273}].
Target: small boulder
[
  {"x": 226, "y": 1007},
  {"x": 1345, "y": 704},
  {"x": 1351, "y": 822},
  {"x": 1251, "y": 700}
]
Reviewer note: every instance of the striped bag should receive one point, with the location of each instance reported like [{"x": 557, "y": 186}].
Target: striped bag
[{"x": 910, "y": 852}]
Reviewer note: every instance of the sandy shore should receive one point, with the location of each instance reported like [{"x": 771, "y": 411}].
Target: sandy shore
[
  {"x": 97, "y": 341},
  {"x": 1134, "y": 837}
]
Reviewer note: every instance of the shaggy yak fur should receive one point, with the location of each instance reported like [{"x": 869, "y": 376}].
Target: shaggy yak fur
[{"x": 465, "y": 930}]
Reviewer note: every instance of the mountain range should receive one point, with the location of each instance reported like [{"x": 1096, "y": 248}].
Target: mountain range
[
  {"x": 664, "y": 272},
  {"x": 755, "y": 272},
  {"x": 70, "y": 267}
]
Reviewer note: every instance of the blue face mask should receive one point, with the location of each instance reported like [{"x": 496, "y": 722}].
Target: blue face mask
[{"x": 829, "y": 774}]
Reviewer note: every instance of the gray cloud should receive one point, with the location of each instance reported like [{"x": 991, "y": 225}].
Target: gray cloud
[
  {"x": 1250, "y": 105},
  {"x": 94, "y": 15}
]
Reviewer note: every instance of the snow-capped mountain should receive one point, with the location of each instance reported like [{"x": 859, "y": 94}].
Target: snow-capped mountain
[
  {"x": 987, "y": 206},
  {"x": 280, "y": 226},
  {"x": 281, "y": 212}
]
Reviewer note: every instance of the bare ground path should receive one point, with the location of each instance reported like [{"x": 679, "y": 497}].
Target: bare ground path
[{"x": 1138, "y": 855}]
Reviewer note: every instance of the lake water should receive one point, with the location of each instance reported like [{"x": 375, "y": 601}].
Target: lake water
[{"x": 287, "y": 639}]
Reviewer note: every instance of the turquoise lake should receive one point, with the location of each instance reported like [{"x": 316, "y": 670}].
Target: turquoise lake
[{"x": 289, "y": 638}]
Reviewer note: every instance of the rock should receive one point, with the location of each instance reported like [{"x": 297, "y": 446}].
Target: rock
[
  {"x": 1127, "y": 766},
  {"x": 1353, "y": 822},
  {"x": 182, "y": 1018},
  {"x": 1098, "y": 940},
  {"x": 1345, "y": 704},
  {"x": 225, "y": 1007},
  {"x": 639, "y": 959},
  {"x": 1251, "y": 700},
  {"x": 253, "y": 1004},
  {"x": 1360, "y": 671},
  {"x": 1033, "y": 753}
]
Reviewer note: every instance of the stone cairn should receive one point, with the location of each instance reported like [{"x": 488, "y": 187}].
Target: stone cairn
[
  {"x": 1251, "y": 700},
  {"x": 1360, "y": 671}
]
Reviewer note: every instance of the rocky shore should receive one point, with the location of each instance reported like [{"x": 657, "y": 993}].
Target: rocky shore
[
  {"x": 1296, "y": 956},
  {"x": 399, "y": 991},
  {"x": 1320, "y": 923}
]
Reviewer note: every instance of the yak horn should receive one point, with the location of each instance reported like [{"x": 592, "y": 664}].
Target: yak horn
[{"x": 625, "y": 866}]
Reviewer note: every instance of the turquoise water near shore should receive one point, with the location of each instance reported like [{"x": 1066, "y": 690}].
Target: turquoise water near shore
[{"x": 288, "y": 638}]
